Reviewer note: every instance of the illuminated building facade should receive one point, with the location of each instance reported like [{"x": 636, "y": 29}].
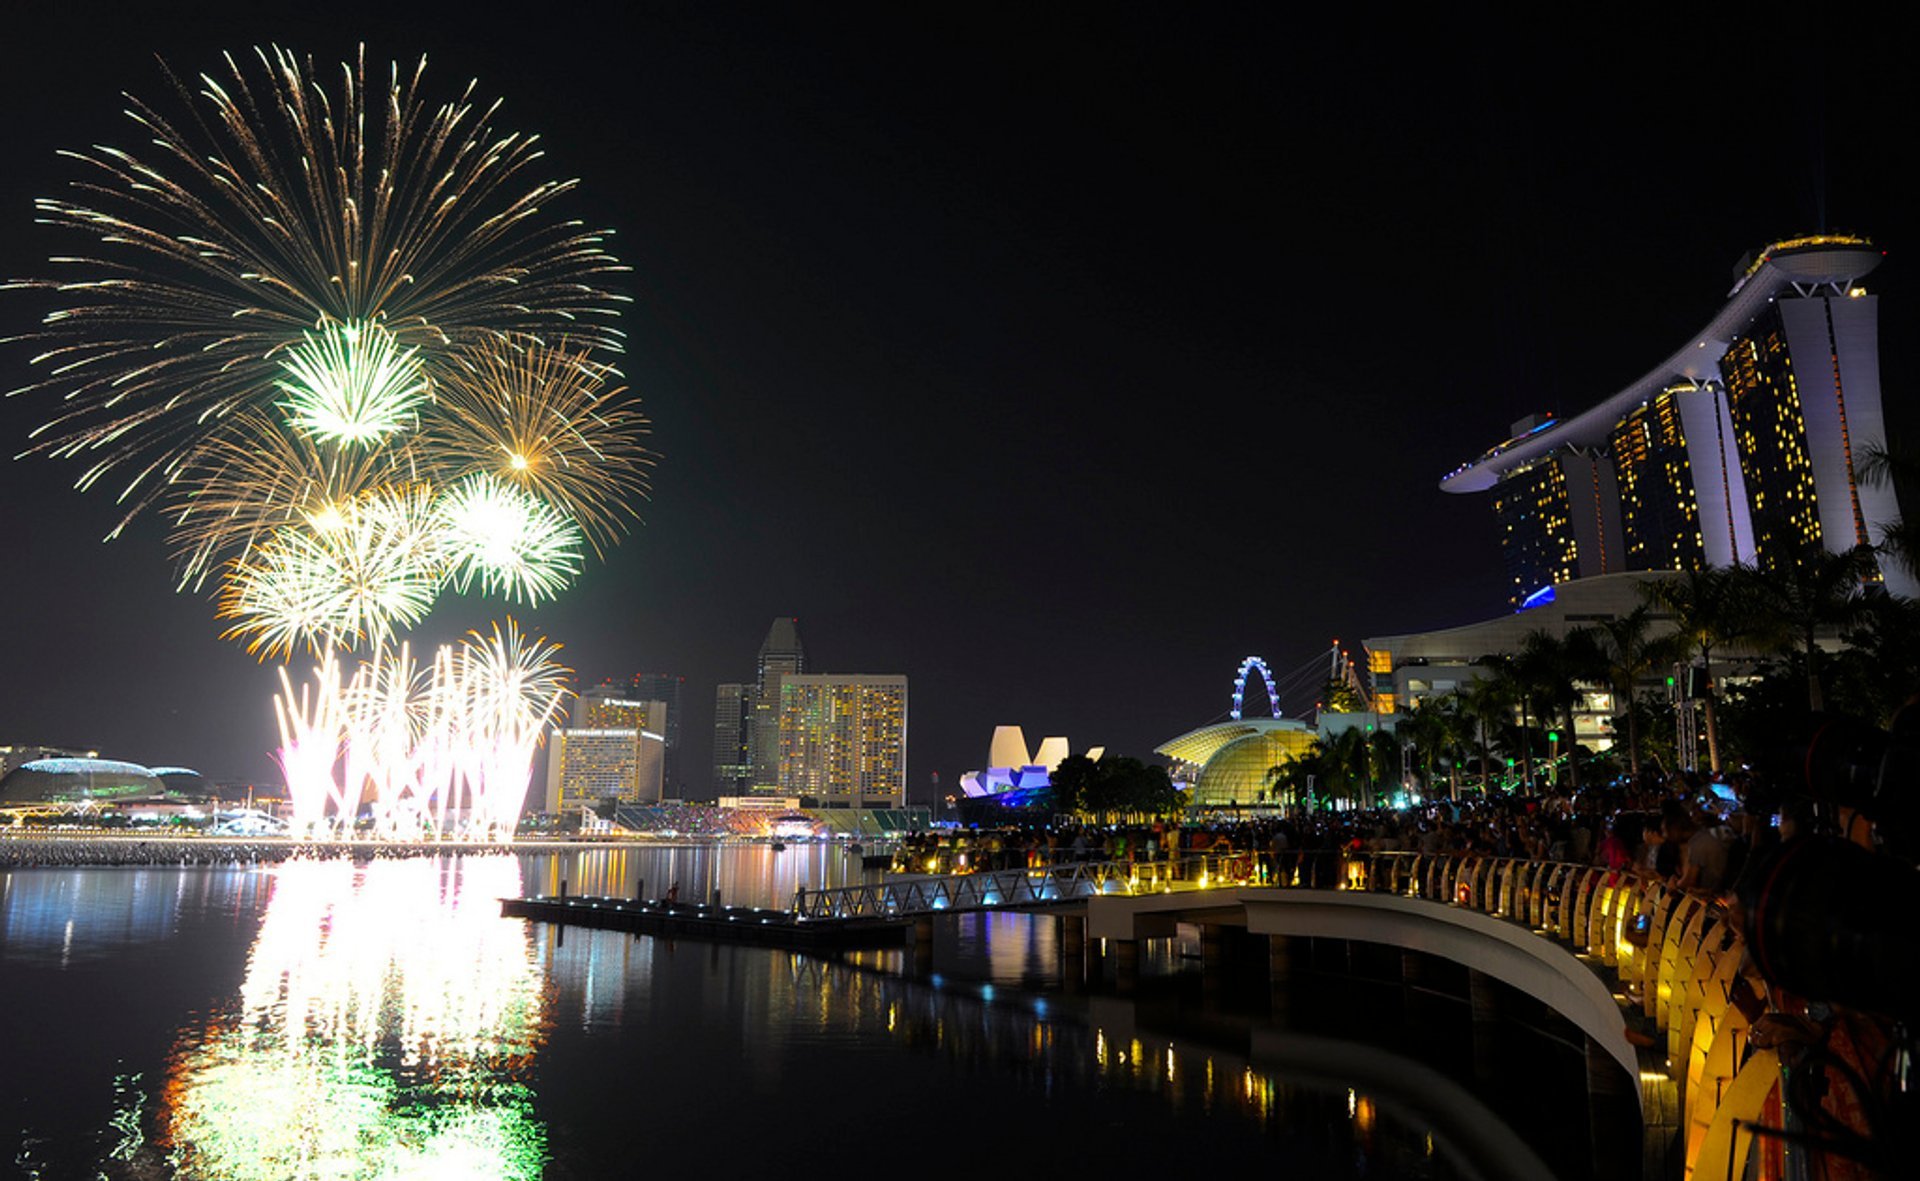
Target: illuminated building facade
[
  {"x": 843, "y": 739},
  {"x": 1013, "y": 769},
  {"x": 615, "y": 748},
  {"x": 781, "y": 654},
  {"x": 1743, "y": 446},
  {"x": 732, "y": 739},
  {"x": 1559, "y": 520},
  {"x": 1226, "y": 764},
  {"x": 1659, "y": 513},
  {"x": 1799, "y": 426},
  {"x": 666, "y": 689}
]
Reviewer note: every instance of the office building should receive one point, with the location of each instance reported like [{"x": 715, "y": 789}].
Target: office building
[
  {"x": 781, "y": 654},
  {"x": 667, "y": 689},
  {"x": 842, "y": 739},
  {"x": 732, "y": 739},
  {"x": 1743, "y": 446}
]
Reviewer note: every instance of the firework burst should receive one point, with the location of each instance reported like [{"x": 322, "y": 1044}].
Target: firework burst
[
  {"x": 254, "y": 478},
  {"x": 514, "y": 545},
  {"x": 351, "y": 576},
  {"x": 351, "y": 384},
  {"x": 332, "y": 328},
  {"x": 272, "y": 203},
  {"x": 544, "y": 419}
]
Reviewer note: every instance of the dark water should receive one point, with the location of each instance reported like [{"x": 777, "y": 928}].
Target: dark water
[{"x": 328, "y": 1020}]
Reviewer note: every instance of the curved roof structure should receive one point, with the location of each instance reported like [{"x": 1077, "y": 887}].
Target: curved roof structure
[
  {"x": 1813, "y": 260},
  {"x": 1197, "y": 746},
  {"x": 71, "y": 779},
  {"x": 1234, "y": 756}
]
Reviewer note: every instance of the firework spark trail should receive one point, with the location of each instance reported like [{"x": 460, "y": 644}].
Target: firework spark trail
[
  {"x": 421, "y": 746},
  {"x": 311, "y": 730}
]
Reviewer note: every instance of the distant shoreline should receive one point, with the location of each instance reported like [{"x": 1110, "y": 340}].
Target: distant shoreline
[{"x": 70, "y": 852}]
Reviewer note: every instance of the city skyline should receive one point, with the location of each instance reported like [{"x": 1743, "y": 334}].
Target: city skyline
[{"x": 1033, "y": 360}]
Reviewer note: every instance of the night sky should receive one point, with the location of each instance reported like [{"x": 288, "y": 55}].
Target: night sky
[{"x": 1055, "y": 356}]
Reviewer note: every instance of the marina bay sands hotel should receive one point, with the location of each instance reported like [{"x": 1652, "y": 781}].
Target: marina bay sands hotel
[{"x": 1743, "y": 446}]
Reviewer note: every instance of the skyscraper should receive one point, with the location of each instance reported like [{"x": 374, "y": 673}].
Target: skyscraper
[
  {"x": 843, "y": 739},
  {"x": 1556, "y": 516},
  {"x": 732, "y": 739},
  {"x": 1742, "y": 446},
  {"x": 613, "y": 748},
  {"x": 1659, "y": 511},
  {"x": 781, "y": 654},
  {"x": 667, "y": 688}
]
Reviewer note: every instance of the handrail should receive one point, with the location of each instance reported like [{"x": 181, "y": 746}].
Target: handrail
[
  {"x": 1676, "y": 956},
  {"x": 903, "y": 895}
]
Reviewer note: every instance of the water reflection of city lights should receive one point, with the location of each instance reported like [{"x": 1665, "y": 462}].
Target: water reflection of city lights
[{"x": 384, "y": 1024}]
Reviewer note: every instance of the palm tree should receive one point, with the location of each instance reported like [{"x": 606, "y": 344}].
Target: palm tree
[
  {"x": 1796, "y": 601},
  {"x": 1301, "y": 774},
  {"x": 1489, "y": 703},
  {"x": 1710, "y": 610},
  {"x": 1349, "y": 763},
  {"x": 1529, "y": 674},
  {"x": 1429, "y": 729},
  {"x": 1457, "y": 729},
  {"x": 1555, "y": 667},
  {"x": 1878, "y": 467},
  {"x": 1383, "y": 762},
  {"x": 1631, "y": 654}
]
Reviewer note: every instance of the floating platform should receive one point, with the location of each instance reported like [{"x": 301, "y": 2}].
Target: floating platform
[{"x": 716, "y": 924}]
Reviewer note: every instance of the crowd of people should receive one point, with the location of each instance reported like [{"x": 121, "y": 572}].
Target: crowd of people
[{"x": 1696, "y": 834}]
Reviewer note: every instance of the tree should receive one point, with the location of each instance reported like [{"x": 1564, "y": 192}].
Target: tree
[
  {"x": 1338, "y": 696},
  {"x": 1710, "y": 610},
  {"x": 1349, "y": 762},
  {"x": 1794, "y": 602},
  {"x": 1879, "y": 670},
  {"x": 1554, "y": 667},
  {"x": 1384, "y": 759},
  {"x": 1878, "y": 468},
  {"x": 1631, "y": 654},
  {"x": 1114, "y": 785},
  {"x": 1524, "y": 675},
  {"x": 1425, "y": 730},
  {"x": 1299, "y": 776},
  {"x": 1489, "y": 703},
  {"x": 1072, "y": 780}
]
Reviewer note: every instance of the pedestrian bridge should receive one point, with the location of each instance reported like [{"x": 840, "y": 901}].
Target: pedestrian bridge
[
  {"x": 1070, "y": 883},
  {"x": 1565, "y": 934}
]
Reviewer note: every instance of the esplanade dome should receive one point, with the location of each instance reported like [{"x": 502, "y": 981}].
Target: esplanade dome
[
  {"x": 1230, "y": 759},
  {"x": 70, "y": 780}
]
